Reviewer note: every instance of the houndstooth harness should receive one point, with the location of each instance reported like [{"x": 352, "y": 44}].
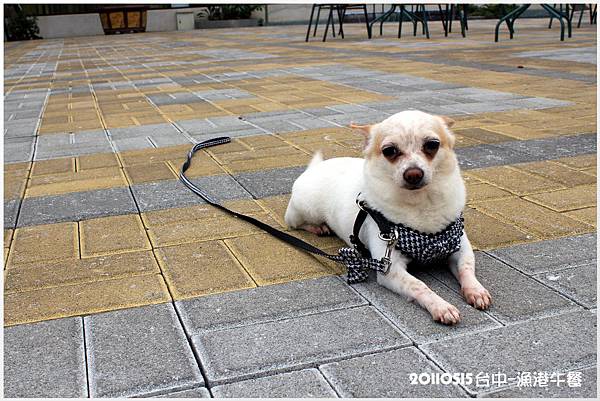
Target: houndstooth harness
[{"x": 424, "y": 248}]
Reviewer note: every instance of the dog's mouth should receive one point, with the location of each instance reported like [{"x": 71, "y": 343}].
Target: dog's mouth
[{"x": 414, "y": 187}]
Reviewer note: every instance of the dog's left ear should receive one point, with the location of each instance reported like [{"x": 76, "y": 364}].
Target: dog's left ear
[
  {"x": 446, "y": 136},
  {"x": 448, "y": 121}
]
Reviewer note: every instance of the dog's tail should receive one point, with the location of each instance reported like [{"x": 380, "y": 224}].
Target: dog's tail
[{"x": 317, "y": 158}]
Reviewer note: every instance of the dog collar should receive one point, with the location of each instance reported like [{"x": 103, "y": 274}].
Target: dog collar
[{"x": 423, "y": 248}]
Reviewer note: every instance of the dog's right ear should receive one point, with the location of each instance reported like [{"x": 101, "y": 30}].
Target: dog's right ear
[{"x": 366, "y": 129}]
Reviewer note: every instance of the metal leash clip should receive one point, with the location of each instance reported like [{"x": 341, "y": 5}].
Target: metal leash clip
[{"x": 391, "y": 239}]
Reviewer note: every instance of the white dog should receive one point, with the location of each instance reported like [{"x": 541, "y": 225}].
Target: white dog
[{"x": 409, "y": 174}]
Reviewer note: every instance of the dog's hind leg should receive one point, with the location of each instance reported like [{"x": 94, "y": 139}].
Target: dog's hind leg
[{"x": 322, "y": 230}]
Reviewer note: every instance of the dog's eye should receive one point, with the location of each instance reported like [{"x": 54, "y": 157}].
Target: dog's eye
[
  {"x": 390, "y": 152},
  {"x": 430, "y": 147}
]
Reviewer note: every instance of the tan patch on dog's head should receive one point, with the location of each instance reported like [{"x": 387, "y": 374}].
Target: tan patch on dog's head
[
  {"x": 447, "y": 139},
  {"x": 367, "y": 131}
]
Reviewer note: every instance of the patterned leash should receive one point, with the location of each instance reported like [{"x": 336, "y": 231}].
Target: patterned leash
[{"x": 357, "y": 265}]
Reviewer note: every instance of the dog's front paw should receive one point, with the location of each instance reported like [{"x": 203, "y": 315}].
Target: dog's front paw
[
  {"x": 478, "y": 297},
  {"x": 445, "y": 313}
]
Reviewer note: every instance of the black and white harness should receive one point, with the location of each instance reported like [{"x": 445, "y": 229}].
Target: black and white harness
[{"x": 421, "y": 247}]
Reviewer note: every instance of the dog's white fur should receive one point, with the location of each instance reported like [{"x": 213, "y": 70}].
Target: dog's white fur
[{"x": 324, "y": 197}]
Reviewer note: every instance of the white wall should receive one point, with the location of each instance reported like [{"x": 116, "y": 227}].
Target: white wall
[
  {"x": 64, "y": 26},
  {"x": 165, "y": 20}
]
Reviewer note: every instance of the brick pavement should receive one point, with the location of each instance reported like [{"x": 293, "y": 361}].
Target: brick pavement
[{"x": 120, "y": 282}]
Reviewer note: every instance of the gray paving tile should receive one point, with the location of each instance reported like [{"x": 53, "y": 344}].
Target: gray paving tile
[
  {"x": 45, "y": 359},
  {"x": 515, "y": 296},
  {"x": 489, "y": 156},
  {"x": 308, "y": 383},
  {"x": 162, "y": 99},
  {"x": 76, "y": 206},
  {"x": 172, "y": 193},
  {"x": 555, "y": 147},
  {"x": 270, "y": 182},
  {"x": 550, "y": 255},
  {"x": 200, "y": 392},
  {"x": 578, "y": 283},
  {"x": 11, "y": 210},
  {"x": 69, "y": 145},
  {"x": 143, "y": 131},
  {"x": 264, "y": 304},
  {"x": 15, "y": 152},
  {"x": 138, "y": 351},
  {"x": 554, "y": 344},
  {"x": 415, "y": 321},
  {"x": 386, "y": 375},
  {"x": 587, "y": 389},
  {"x": 269, "y": 348}
]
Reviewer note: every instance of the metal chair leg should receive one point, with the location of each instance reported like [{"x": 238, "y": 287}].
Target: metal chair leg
[
  {"x": 341, "y": 14},
  {"x": 329, "y": 20},
  {"x": 312, "y": 13},
  {"x": 425, "y": 23},
  {"x": 507, "y": 18},
  {"x": 367, "y": 21},
  {"x": 443, "y": 19},
  {"x": 317, "y": 21},
  {"x": 580, "y": 17},
  {"x": 401, "y": 19}
]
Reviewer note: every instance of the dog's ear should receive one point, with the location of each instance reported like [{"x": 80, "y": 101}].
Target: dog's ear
[
  {"x": 446, "y": 136},
  {"x": 448, "y": 121},
  {"x": 366, "y": 129}
]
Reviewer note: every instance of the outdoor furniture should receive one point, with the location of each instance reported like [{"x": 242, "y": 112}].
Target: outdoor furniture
[
  {"x": 448, "y": 15},
  {"x": 415, "y": 18},
  {"x": 341, "y": 10},
  {"x": 512, "y": 16},
  {"x": 581, "y": 8},
  {"x": 416, "y": 14}
]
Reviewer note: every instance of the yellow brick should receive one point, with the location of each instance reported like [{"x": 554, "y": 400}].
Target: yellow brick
[
  {"x": 54, "y": 166},
  {"x": 483, "y": 135},
  {"x": 270, "y": 261},
  {"x": 198, "y": 212},
  {"x": 513, "y": 180},
  {"x": 141, "y": 173},
  {"x": 262, "y": 142},
  {"x": 587, "y": 215},
  {"x": 202, "y": 165},
  {"x": 53, "y": 274},
  {"x": 558, "y": 173},
  {"x": 14, "y": 188},
  {"x": 567, "y": 199},
  {"x": 87, "y": 180},
  {"x": 84, "y": 299},
  {"x": 204, "y": 230},
  {"x": 97, "y": 161},
  {"x": 485, "y": 232},
  {"x": 298, "y": 159},
  {"x": 43, "y": 243},
  {"x": 482, "y": 191},
  {"x": 115, "y": 234},
  {"x": 532, "y": 218},
  {"x": 8, "y": 234},
  {"x": 579, "y": 162},
  {"x": 201, "y": 268}
]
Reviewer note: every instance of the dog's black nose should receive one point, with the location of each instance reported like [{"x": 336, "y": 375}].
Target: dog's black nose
[{"x": 413, "y": 175}]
